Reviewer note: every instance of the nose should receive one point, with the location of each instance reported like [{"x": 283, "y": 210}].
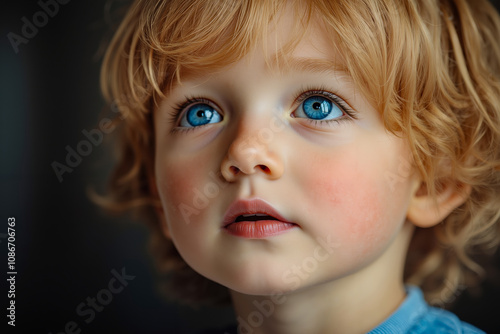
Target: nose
[{"x": 251, "y": 153}]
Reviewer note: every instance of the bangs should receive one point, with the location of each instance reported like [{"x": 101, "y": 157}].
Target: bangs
[
  {"x": 178, "y": 38},
  {"x": 159, "y": 42}
]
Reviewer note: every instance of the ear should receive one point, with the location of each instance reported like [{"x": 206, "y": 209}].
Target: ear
[
  {"x": 159, "y": 208},
  {"x": 426, "y": 210}
]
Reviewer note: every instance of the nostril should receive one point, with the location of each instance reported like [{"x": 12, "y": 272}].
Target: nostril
[
  {"x": 265, "y": 169},
  {"x": 235, "y": 170}
]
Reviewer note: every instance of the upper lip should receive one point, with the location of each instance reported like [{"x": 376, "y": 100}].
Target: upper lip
[{"x": 249, "y": 207}]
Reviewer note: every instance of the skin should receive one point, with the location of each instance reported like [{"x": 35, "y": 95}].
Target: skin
[{"x": 330, "y": 179}]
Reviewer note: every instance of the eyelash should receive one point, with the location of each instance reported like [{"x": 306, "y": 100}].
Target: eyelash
[
  {"x": 300, "y": 97},
  {"x": 180, "y": 107},
  {"x": 304, "y": 94}
]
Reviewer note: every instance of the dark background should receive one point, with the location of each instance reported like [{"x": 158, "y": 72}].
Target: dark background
[{"x": 65, "y": 247}]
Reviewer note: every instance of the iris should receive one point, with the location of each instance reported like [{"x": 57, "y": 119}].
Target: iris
[
  {"x": 320, "y": 108},
  {"x": 201, "y": 114}
]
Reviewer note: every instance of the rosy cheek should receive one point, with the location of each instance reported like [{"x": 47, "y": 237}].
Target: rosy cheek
[
  {"x": 347, "y": 200},
  {"x": 176, "y": 187}
]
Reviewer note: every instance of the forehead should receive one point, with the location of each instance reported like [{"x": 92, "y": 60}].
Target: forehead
[{"x": 290, "y": 43}]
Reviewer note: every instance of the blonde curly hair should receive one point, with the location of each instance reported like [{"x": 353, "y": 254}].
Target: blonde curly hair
[{"x": 430, "y": 67}]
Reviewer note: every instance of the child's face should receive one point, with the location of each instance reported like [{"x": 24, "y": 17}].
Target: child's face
[{"x": 343, "y": 180}]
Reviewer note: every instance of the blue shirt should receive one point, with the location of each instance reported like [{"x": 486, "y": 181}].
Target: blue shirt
[{"x": 413, "y": 316}]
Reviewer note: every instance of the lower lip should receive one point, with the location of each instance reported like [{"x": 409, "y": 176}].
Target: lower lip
[{"x": 258, "y": 229}]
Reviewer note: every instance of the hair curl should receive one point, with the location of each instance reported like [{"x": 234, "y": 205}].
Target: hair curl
[{"x": 431, "y": 68}]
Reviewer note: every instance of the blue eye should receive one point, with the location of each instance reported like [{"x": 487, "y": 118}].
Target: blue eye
[
  {"x": 200, "y": 114},
  {"x": 318, "y": 108}
]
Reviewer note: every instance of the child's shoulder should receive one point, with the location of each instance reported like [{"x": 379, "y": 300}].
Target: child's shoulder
[
  {"x": 415, "y": 316},
  {"x": 441, "y": 321}
]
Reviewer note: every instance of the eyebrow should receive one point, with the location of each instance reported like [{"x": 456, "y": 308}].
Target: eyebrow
[{"x": 314, "y": 65}]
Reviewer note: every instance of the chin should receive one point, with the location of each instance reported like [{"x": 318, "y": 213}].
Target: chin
[
  {"x": 258, "y": 289},
  {"x": 259, "y": 285}
]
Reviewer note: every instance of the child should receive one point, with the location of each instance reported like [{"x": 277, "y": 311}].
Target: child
[{"x": 328, "y": 164}]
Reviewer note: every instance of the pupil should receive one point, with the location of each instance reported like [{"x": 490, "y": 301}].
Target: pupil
[
  {"x": 200, "y": 113},
  {"x": 316, "y": 105}
]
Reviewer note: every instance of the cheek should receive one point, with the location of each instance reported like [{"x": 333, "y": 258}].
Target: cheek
[
  {"x": 175, "y": 187},
  {"x": 182, "y": 170},
  {"x": 353, "y": 198},
  {"x": 351, "y": 201},
  {"x": 180, "y": 185}
]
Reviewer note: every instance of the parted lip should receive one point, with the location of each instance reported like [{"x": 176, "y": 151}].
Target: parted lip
[{"x": 250, "y": 207}]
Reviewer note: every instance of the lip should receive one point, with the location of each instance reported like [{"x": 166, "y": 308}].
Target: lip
[{"x": 255, "y": 229}]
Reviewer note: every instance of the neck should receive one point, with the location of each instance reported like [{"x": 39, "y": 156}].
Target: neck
[{"x": 355, "y": 303}]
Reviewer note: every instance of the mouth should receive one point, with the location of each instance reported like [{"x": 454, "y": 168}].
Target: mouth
[{"x": 255, "y": 219}]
